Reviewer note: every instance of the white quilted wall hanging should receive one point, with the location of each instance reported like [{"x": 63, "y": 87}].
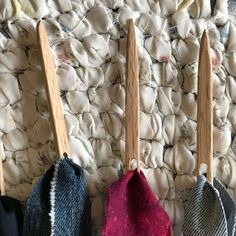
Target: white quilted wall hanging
[{"x": 88, "y": 41}]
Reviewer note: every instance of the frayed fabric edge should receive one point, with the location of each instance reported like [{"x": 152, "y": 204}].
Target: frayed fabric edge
[{"x": 52, "y": 198}]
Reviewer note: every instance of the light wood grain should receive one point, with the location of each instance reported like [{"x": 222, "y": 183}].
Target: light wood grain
[
  {"x": 53, "y": 94},
  {"x": 132, "y": 119},
  {"x": 2, "y": 185},
  {"x": 204, "y": 111}
]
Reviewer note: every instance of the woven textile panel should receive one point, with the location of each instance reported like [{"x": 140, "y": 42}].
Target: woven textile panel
[{"x": 88, "y": 42}]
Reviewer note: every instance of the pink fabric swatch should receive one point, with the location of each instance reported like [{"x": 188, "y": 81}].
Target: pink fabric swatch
[{"x": 133, "y": 209}]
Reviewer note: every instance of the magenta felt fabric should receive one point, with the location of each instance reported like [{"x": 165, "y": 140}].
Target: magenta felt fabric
[{"x": 133, "y": 209}]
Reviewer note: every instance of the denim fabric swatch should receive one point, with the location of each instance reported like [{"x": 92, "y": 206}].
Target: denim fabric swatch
[
  {"x": 231, "y": 5},
  {"x": 229, "y": 207},
  {"x": 59, "y": 205},
  {"x": 209, "y": 211},
  {"x": 37, "y": 220},
  {"x": 11, "y": 217}
]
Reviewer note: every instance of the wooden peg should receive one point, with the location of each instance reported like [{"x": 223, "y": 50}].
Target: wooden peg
[
  {"x": 2, "y": 185},
  {"x": 132, "y": 119},
  {"x": 205, "y": 110},
  {"x": 52, "y": 88}
]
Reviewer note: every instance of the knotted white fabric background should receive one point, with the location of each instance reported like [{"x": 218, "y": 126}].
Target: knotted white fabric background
[{"x": 88, "y": 40}]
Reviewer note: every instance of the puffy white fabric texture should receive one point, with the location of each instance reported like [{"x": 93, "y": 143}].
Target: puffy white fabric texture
[{"x": 88, "y": 42}]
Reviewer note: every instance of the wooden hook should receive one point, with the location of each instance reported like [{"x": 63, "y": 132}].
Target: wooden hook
[
  {"x": 52, "y": 88},
  {"x": 205, "y": 110},
  {"x": 132, "y": 110},
  {"x": 2, "y": 185}
]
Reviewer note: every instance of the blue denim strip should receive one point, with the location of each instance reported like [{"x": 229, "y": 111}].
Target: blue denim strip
[
  {"x": 72, "y": 208},
  {"x": 72, "y": 203},
  {"x": 37, "y": 220}
]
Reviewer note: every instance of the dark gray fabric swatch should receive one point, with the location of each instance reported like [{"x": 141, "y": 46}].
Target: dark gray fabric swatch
[{"x": 209, "y": 211}]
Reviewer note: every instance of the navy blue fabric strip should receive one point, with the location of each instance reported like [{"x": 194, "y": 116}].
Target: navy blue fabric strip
[
  {"x": 11, "y": 217},
  {"x": 37, "y": 220},
  {"x": 71, "y": 208}
]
